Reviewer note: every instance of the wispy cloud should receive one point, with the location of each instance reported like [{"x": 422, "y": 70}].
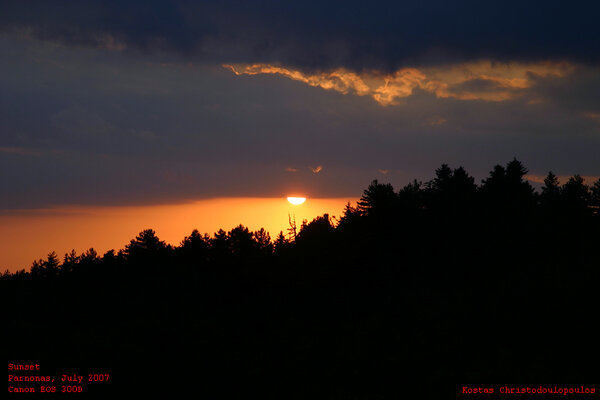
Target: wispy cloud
[
  {"x": 339, "y": 80},
  {"x": 481, "y": 80},
  {"x": 592, "y": 115},
  {"x": 437, "y": 120},
  {"x": 20, "y": 151}
]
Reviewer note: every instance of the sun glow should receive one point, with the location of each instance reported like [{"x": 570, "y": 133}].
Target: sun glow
[
  {"x": 296, "y": 200},
  {"x": 28, "y": 235}
]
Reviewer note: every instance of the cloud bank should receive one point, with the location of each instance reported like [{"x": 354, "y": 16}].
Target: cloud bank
[
  {"x": 127, "y": 102},
  {"x": 314, "y": 35}
]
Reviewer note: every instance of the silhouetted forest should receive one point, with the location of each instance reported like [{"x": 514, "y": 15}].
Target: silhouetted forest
[{"x": 409, "y": 294}]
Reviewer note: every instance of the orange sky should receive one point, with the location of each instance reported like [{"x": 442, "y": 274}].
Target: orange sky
[{"x": 29, "y": 235}]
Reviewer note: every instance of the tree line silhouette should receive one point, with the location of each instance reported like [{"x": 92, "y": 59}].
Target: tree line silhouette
[{"x": 413, "y": 291}]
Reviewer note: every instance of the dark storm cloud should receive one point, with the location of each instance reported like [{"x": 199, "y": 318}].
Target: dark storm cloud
[
  {"x": 317, "y": 34},
  {"x": 92, "y": 126}
]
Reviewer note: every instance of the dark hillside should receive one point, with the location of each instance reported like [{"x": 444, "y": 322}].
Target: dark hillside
[{"x": 411, "y": 294}]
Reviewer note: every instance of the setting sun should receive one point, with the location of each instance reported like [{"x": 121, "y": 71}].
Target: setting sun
[{"x": 296, "y": 200}]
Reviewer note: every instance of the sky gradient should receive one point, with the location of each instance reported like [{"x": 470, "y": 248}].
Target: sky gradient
[
  {"x": 30, "y": 235},
  {"x": 153, "y": 103}
]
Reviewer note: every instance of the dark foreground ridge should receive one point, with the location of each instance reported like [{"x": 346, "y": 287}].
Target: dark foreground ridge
[{"x": 411, "y": 294}]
